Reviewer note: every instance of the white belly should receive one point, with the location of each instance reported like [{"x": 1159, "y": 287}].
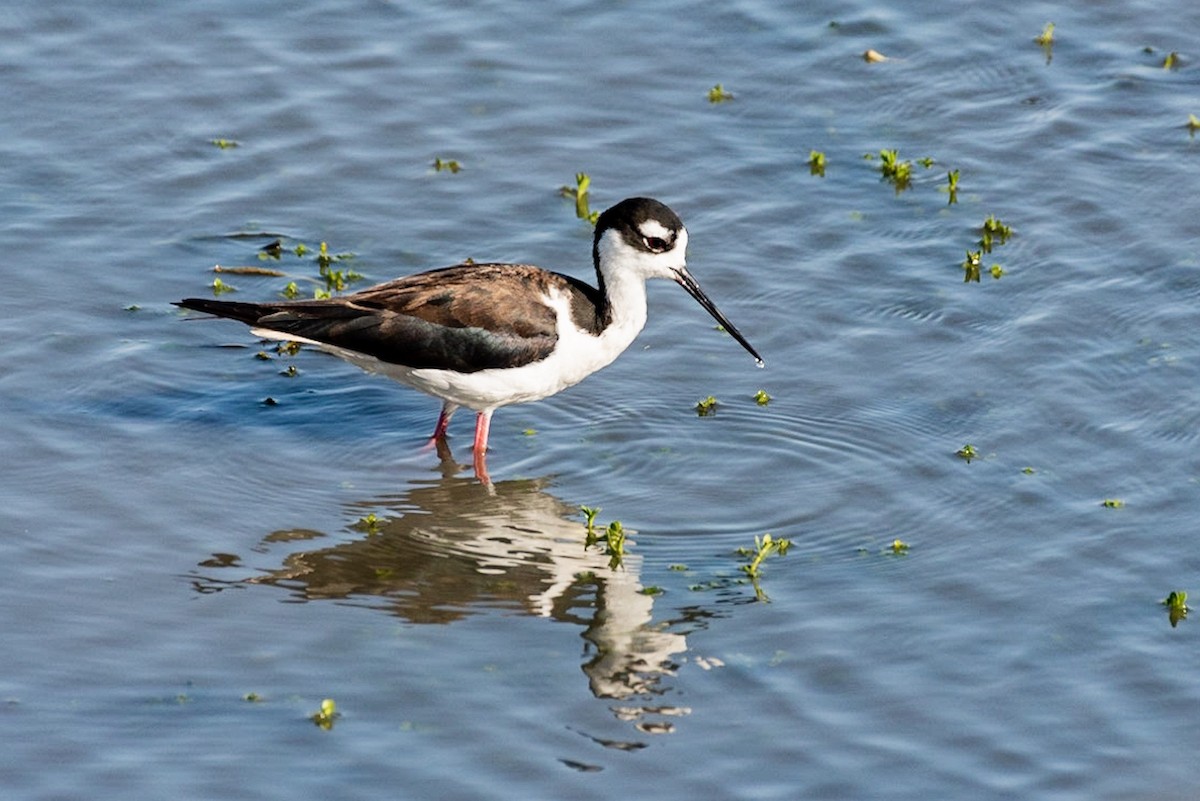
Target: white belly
[{"x": 576, "y": 356}]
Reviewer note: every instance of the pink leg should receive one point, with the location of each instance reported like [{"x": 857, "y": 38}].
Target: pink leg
[
  {"x": 483, "y": 422},
  {"x": 443, "y": 422}
]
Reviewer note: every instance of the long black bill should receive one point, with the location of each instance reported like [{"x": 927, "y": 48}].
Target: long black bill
[{"x": 685, "y": 280}]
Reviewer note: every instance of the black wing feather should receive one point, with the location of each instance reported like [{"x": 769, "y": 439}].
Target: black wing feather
[{"x": 464, "y": 318}]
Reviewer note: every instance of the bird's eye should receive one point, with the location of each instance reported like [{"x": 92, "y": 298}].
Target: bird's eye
[{"x": 655, "y": 244}]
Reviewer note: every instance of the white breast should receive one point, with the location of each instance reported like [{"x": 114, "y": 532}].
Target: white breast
[{"x": 577, "y": 355}]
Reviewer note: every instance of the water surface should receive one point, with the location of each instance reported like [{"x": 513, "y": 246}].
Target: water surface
[{"x": 175, "y": 545}]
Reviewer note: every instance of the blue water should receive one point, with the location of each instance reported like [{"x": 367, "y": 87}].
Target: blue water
[{"x": 175, "y": 545}]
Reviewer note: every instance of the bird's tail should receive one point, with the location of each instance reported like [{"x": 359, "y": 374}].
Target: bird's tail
[{"x": 248, "y": 313}]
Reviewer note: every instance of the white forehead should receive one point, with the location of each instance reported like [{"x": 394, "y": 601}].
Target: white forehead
[{"x": 653, "y": 229}]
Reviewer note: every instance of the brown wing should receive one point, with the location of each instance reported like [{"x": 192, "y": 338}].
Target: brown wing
[{"x": 464, "y": 318}]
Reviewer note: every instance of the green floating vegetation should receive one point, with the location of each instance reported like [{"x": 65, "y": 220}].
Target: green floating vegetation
[
  {"x": 1045, "y": 40},
  {"x": 897, "y": 547},
  {"x": 967, "y": 452},
  {"x": 325, "y": 716},
  {"x": 224, "y": 144},
  {"x": 219, "y": 287},
  {"x": 614, "y": 544},
  {"x": 895, "y": 171},
  {"x": 448, "y": 165},
  {"x": 816, "y": 163},
  {"x": 706, "y": 407},
  {"x": 252, "y": 697},
  {"x": 613, "y": 536},
  {"x": 971, "y": 266},
  {"x": 1193, "y": 124},
  {"x": 589, "y": 513},
  {"x": 1171, "y": 61},
  {"x": 1176, "y": 604},
  {"x": 368, "y": 524},
  {"x": 579, "y": 193},
  {"x": 993, "y": 232},
  {"x": 1112, "y": 503},
  {"x": 332, "y": 276},
  {"x": 335, "y": 280},
  {"x": 718, "y": 95},
  {"x": 951, "y": 187},
  {"x": 764, "y": 546},
  {"x": 899, "y": 172},
  {"x": 762, "y": 398}
]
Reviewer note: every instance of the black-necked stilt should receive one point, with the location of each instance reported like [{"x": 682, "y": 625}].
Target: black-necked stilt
[{"x": 488, "y": 335}]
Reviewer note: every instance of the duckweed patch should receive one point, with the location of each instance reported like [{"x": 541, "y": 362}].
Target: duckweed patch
[
  {"x": 589, "y": 513},
  {"x": 367, "y": 524},
  {"x": 613, "y": 538},
  {"x": 894, "y": 170},
  {"x": 614, "y": 544},
  {"x": 951, "y": 187},
  {"x": 718, "y": 95},
  {"x": 579, "y": 193},
  {"x": 816, "y": 163},
  {"x": 1045, "y": 40},
  {"x": 1177, "y": 608},
  {"x": 326, "y": 715},
  {"x": 993, "y": 232},
  {"x": 219, "y": 287},
  {"x": 332, "y": 272},
  {"x": 764, "y": 546}
]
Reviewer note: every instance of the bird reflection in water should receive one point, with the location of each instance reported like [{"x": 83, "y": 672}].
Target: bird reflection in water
[{"x": 453, "y": 547}]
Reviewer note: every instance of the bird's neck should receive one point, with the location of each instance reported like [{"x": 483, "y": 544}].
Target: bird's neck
[{"x": 622, "y": 300}]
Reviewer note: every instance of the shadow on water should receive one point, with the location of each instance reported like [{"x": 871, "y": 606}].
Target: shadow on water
[{"x": 449, "y": 548}]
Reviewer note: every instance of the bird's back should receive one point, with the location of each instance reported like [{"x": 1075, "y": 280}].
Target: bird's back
[{"x": 464, "y": 318}]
